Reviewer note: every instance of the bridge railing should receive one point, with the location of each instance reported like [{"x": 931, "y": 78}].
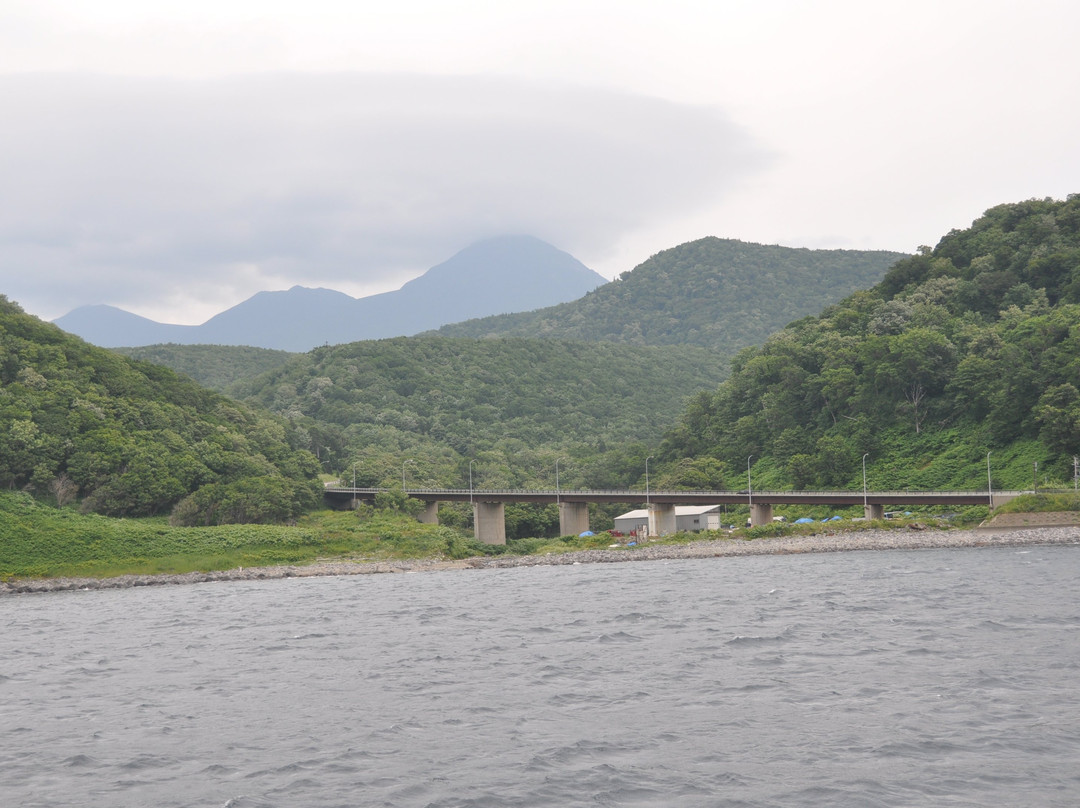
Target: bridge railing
[{"x": 635, "y": 493}]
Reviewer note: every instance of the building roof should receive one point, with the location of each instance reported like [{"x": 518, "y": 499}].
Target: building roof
[{"x": 680, "y": 510}]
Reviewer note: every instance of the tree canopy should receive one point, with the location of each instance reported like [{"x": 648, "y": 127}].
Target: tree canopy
[
  {"x": 511, "y": 406},
  {"x": 715, "y": 293},
  {"x": 133, "y": 438},
  {"x": 968, "y": 348}
]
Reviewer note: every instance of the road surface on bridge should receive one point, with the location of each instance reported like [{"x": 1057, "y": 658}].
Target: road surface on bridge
[{"x": 339, "y": 494}]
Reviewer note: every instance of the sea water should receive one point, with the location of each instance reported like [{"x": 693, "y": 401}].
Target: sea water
[{"x": 889, "y": 678}]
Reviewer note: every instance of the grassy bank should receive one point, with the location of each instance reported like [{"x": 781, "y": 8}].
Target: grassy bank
[
  {"x": 1054, "y": 502},
  {"x": 39, "y": 541}
]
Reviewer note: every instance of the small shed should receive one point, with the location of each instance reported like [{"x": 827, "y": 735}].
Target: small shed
[{"x": 687, "y": 517}]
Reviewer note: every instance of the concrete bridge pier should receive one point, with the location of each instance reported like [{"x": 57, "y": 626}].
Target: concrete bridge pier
[
  {"x": 430, "y": 514},
  {"x": 489, "y": 522},
  {"x": 661, "y": 519},
  {"x": 874, "y": 511},
  {"x": 760, "y": 514},
  {"x": 573, "y": 518}
]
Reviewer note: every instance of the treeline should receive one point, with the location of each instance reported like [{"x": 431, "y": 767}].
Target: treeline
[
  {"x": 969, "y": 348},
  {"x": 720, "y": 294},
  {"x": 129, "y": 438},
  {"x": 429, "y": 409},
  {"x": 215, "y": 366}
]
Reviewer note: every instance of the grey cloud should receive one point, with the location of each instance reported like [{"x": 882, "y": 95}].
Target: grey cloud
[{"x": 120, "y": 190}]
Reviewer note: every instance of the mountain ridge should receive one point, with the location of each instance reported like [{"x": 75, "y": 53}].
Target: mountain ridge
[
  {"x": 712, "y": 292},
  {"x": 502, "y": 274}
]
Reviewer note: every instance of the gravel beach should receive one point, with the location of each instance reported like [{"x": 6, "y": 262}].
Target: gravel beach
[{"x": 909, "y": 538}]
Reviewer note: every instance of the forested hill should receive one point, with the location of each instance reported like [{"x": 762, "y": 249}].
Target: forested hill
[
  {"x": 512, "y": 406},
  {"x": 715, "y": 293},
  {"x": 967, "y": 349},
  {"x": 215, "y": 366},
  {"x": 131, "y": 438}
]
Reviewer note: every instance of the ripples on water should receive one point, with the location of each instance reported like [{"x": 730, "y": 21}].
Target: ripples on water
[{"x": 929, "y": 678}]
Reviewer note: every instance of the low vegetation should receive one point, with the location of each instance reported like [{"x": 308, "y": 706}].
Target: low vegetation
[
  {"x": 1042, "y": 503},
  {"x": 37, "y": 540}
]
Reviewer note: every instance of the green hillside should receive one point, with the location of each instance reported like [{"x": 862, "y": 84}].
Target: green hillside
[
  {"x": 129, "y": 438},
  {"x": 969, "y": 348},
  {"x": 512, "y": 406},
  {"x": 714, "y": 293},
  {"x": 215, "y": 366}
]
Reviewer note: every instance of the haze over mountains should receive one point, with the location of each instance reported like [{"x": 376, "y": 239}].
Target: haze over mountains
[{"x": 496, "y": 276}]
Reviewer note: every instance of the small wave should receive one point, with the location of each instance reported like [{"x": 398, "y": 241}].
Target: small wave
[
  {"x": 741, "y": 640},
  {"x": 631, "y": 617},
  {"x": 147, "y": 762},
  {"x": 618, "y": 636},
  {"x": 993, "y": 625},
  {"x": 217, "y": 768},
  {"x": 81, "y": 761}
]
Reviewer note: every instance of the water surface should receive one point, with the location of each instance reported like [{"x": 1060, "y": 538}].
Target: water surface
[{"x": 895, "y": 678}]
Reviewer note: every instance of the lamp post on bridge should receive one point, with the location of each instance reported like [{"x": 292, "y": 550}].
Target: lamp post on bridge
[
  {"x": 470, "y": 483},
  {"x": 558, "y": 500},
  {"x": 989, "y": 483},
  {"x": 647, "y": 459},
  {"x": 403, "y": 473},
  {"x": 749, "y": 486},
  {"x": 864, "y": 483},
  {"x": 354, "y": 486}
]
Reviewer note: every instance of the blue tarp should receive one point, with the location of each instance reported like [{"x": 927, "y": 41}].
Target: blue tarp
[
  {"x": 805, "y": 520},
  {"x": 587, "y": 533}
]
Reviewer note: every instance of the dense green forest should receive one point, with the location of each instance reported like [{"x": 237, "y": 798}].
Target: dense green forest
[
  {"x": 970, "y": 348},
  {"x": 720, "y": 294},
  {"x": 426, "y": 408},
  {"x": 130, "y": 438},
  {"x": 215, "y": 366}
]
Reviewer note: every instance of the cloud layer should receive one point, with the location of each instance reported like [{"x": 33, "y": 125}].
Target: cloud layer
[{"x": 158, "y": 194}]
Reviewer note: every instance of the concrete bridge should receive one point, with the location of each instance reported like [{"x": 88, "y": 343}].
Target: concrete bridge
[{"x": 489, "y": 506}]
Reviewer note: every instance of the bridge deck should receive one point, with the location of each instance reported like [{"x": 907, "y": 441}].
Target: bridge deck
[{"x": 690, "y": 497}]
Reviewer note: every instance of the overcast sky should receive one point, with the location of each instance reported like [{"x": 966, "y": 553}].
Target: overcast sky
[{"x": 174, "y": 158}]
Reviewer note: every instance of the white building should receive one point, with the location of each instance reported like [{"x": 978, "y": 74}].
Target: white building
[{"x": 687, "y": 517}]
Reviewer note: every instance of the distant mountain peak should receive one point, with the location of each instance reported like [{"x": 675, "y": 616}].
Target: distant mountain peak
[{"x": 498, "y": 275}]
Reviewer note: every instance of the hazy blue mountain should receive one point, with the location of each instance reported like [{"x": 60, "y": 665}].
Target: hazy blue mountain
[
  {"x": 110, "y": 327},
  {"x": 497, "y": 276}
]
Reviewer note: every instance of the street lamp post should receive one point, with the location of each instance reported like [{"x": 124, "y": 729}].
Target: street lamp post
[
  {"x": 749, "y": 486},
  {"x": 470, "y": 483},
  {"x": 989, "y": 482},
  {"x": 647, "y": 459},
  {"x": 864, "y": 483},
  {"x": 403, "y": 474},
  {"x": 354, "y": 486},
  {"x": 557, "y": 497}
]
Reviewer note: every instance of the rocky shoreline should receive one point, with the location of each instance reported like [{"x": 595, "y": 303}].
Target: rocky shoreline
[{"x": 840, "y": 541}]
